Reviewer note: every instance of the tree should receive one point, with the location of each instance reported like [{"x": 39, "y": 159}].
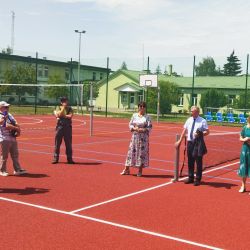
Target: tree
[
  {"x": 20, "y": 74},
  {"x": 213, "y": 98},
  {"x": 158, "y": 70},
  {"x": 240, "y": 101},
  {"x": 124, "y": 66},
  {"x": 54, "y": 91},
  {"x": 232, "y": 68},
  {"x": 169, "y": 94},
  {"x": 207, "y": 68},
  {"x": 7, "y": 51}
]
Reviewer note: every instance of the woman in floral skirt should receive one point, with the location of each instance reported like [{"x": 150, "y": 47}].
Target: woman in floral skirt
[
  {"x": 138, "y": 152},
  {"x": 244, "y": 169}
]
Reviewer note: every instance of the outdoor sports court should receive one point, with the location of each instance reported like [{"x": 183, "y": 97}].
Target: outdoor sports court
[{"x": 90, "y": 206}]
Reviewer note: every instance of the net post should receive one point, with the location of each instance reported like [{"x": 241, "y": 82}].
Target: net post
[{"x": 177, "y": 160}]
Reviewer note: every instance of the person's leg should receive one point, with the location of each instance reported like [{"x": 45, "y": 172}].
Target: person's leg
[
  {"x": 199, "y": 168},
  {"x": 15, "y": 156},
  {"x": 139, "y": 174},
  {"x": 5, "y": 147},
  {"x": 125, "y": 171},
  {"x": 191, "y": 161},
  {"x": 243, "y": 185},
  {"x": 58, "y": 142},
  {"x": 68, "y": 143}
]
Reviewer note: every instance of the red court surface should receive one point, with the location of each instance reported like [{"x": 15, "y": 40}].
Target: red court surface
[{"x": 90, "y": 206}]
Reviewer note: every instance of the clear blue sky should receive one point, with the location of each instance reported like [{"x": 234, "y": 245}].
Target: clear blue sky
[{"x": 172, "y": 31}]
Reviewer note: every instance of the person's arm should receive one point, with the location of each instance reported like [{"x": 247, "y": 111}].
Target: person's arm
[
  {"x": 2, "y": 120},
  {"x": 61, "y": 112},
  {"x": 183, "y": 134},
  {"x": 131, "y": 126},
  {"x": 243, "y": 138},
  {"x": 70, "y": 114}
]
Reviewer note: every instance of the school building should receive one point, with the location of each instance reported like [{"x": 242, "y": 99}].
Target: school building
[
  {"x": 66, "y": 71},
  {"x": 124, "y": 91}
]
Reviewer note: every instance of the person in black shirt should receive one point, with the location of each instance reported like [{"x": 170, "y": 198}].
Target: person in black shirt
[{"x": 63, "y": 130}]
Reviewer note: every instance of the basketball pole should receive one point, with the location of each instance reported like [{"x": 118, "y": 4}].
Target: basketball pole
[{"x": 158, "y": 104}]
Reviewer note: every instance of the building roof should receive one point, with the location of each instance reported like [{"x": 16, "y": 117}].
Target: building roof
[
  {"x": 30, "y": 59},
  {"x": 219, "y": 82}
]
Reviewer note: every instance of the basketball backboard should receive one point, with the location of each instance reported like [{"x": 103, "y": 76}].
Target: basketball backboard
[{"x": 148, "y": 81}]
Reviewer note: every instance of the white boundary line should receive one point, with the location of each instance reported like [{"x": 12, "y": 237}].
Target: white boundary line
[
  {"x": 114, "y": 224},
  {"x": 145, "y": 190}
]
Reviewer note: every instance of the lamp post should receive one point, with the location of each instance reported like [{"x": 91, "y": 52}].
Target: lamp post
[{"x": 79, "y": 63}]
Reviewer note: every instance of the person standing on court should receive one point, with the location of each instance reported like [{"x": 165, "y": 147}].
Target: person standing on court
[
  {"x": 9, "y": 130},
  {"x": 244, "y": 169},
  {"x": 63, "y": 130},
  {"x": 194, "y": 127},
  {"x": 138, "y": 152}
]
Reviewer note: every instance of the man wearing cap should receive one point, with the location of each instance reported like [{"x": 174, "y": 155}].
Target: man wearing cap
[
  {"x": 63, "y": 130},
  {"x": 9, "y": 130}
]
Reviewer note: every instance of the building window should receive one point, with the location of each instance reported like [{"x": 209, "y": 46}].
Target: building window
[
  {"x": 46, "y": 71},
  {"x": 231, "y": 99},
  {"x": 195, "y": 99},
  {"x": 94, "y": 76},
  {"x": 124, "y": 97},
  {"x": 132, "y": 98},
  {"x": 181, "y": 100},
  {"x": 40, "y": 71},
  {"x": 101, "y": 76},
  {"x": 140, "y": 97},
  {"x": 67, "y": 74}
]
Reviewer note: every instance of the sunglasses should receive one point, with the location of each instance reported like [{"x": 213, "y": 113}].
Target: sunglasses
[{"x": 141, "y": 106}]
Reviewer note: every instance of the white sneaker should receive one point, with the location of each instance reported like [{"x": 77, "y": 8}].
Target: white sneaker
[
  {"x": 20, "y": 172},
  {"x": 4, "y": 173}
]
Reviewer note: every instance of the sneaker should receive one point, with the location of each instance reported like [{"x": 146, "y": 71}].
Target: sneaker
[
  {"x": 20, "y": 172},
  {"x": 55, "y": 161},
  {"x": 71, "y": 162},
  {"x": 4, "y": 173}
]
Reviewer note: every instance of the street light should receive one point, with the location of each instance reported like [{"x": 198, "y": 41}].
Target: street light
[{"x": 79, "y": 63}]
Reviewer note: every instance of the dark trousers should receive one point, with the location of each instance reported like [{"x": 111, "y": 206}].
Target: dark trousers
[
  {"x": 63, "y": 132},
  {"x": 191, "y": 162}
]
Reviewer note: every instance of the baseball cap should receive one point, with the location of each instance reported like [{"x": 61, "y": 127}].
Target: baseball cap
[{"x": 4, "y": 104}]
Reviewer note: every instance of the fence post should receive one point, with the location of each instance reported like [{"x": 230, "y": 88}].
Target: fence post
[{"x": 176, "y": 162}]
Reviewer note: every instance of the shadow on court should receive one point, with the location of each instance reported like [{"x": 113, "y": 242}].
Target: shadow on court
[
  {"x": 31, "y": 175},
  {"x": 25, "y": 191},
  {"x": 161, "y": 176},
  {"x": 219, "y": 184}
]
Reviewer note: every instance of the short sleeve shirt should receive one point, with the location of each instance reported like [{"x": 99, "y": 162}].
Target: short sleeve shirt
[
  {"x": 5, "y": 134},
  {"x": 200, "y": 123}
]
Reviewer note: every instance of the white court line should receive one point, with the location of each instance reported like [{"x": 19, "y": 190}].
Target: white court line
[
  {"x": 145, "y": 190},
  {"x": 114, "y": 224}
]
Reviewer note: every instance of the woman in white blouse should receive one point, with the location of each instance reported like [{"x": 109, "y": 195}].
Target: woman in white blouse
[{"x": 138, "y": 151}]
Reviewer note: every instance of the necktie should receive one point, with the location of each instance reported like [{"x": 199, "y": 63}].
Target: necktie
[{"x": 192, "y": 130}]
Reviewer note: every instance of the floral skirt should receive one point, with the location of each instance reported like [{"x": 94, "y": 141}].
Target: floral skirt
[
  {"x": 138, "y": 151},
  {"x": 244, "y": 169}
]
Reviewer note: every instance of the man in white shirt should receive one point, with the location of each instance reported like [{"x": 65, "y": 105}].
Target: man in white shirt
[
  {"x": 9, "y": 130},
  {"x": 192, "y": 125}
]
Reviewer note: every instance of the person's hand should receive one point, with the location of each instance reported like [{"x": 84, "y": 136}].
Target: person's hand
[
  {"x": 177, "y": 144},
  {"x": 246, "y": 139},
  {"x": 64, "y": 104},
  {"x": 141, "y": 130}
]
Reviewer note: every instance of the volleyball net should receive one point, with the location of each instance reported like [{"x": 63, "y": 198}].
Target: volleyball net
[
  {"x": 42, "y": 98},
  {"x": 223, "y": 148}
]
